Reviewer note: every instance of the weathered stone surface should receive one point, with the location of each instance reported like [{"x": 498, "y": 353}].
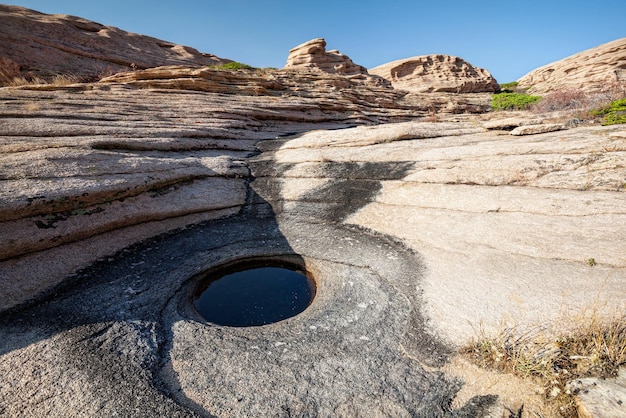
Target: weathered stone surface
[
  {"x": 601, "y": 397},
  {"x": 42, "y": 45},
  {"x": 437, "y": 73},
  {"x": 312, "y": 55},
  {"x": 509, "y": 123},
  {"x": 117, "y": 197},
  {"x": 537, "y": 129},
  {"x": 618, "y": 134},
  {"x": 477, "y": 210},
  {"x": 596, "y": 69}
]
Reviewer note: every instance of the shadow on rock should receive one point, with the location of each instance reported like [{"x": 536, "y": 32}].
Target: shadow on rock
[{"x": 122, "y": 337}]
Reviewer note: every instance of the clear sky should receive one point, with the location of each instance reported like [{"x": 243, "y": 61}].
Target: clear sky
[{"x": 508, "y": 38}]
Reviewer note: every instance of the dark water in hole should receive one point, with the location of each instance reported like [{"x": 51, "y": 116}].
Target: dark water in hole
[{"x": 255, "y": 296}]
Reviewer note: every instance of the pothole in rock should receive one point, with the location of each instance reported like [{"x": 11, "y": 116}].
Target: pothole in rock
[{"x": 254, "y": 292}]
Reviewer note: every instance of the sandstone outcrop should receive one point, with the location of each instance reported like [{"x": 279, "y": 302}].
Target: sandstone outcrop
[
  {"x": 437, "y": 73},
  {"x": 128, "y": 163},
  {"x": 313, "y": 55},
  {"x": 44, "y": 46},
  {"x": 596, "y": 69},
  {"x": 117, "y": 198}
]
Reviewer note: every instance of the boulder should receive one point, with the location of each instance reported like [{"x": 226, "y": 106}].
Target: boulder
[
  {"x": 437, "y": 73},
  {"x": 537, "y": 129},
  {"x": 595, "y": 69},
  {"x": 510, "y": 123},
  {"x": 312, "y": 55}
]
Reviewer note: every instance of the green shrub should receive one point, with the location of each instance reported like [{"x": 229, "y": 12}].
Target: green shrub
[
  {"x": 512, "y": 101},
  {"x": 510, "y": 85},
  {"x": 613, "y": 114},
  {"x": 235, "y": 66}
]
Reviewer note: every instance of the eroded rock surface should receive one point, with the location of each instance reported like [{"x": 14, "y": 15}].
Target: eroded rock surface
[
  {"x": 596, "y": 69},
  {"x": 42, "y": 45},
  {"x": 312, "y": 55},
  {"x": 419, "y": 225},
  {"x": 437, "y": 73}
]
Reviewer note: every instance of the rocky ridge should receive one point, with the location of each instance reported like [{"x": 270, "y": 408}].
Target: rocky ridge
[
  {"x": 437, "y": 73},
  {"x": 595, "y": 69},
  {"x": 40, "y": 45}
]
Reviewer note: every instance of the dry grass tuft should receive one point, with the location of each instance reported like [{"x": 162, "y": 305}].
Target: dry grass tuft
[
  {"x": 59, "y": 80},
  {"x": 594, "y": 346},
  {"x": 11, "y": 75},
  {"x": 8, "y": 70},
  {"x": 578, "y": 103}
]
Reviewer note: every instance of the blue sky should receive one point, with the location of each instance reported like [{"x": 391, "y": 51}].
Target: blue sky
[{"x": 508, "y": 38}]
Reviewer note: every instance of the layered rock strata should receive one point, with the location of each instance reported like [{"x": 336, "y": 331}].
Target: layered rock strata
[
  {"x": 404, "y": 225},
  {"x": 596, "y": 69},
  {"x": 421, "y": 227},
  {"x": 44, "y": 46},
  {"x": 313, "y": 55},
  {"x": 437, "y": 73}
]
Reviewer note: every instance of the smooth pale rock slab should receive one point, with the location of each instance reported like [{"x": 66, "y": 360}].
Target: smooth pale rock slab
[
  {"x": 473, "y": 205},
  {"x": 510, "y": 123},
  {"x": 601, "y": 397},
  {"x": 618, "y": 134},
  {"x": 537, "y": 129}
]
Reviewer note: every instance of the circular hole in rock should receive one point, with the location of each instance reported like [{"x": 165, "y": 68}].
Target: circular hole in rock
[{"x": 253, "y": 293}]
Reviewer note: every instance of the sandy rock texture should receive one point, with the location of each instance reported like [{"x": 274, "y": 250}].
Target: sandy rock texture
[
  {"x": 92, "y": 170},
  {"x": 129, "y": 163},
  {"x": 42, "y": 45},
  {"x": 420, "y": 226},
  {"x": 595, "y": 69},
  {"x": 437, "y": 73},
  {"x": 312, "y": 55},
  {"x": 418, "y": 234},
  {"x": 601, "y": 397}
]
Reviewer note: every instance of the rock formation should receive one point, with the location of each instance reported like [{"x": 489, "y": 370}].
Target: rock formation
[
  {"x": 437, "y": 73},
  {"x": 117, "y": 198},
  {"x": 313, "y": 55},
  {"x": 596, "y": 69},
  {"x": 41, "y": 45}
]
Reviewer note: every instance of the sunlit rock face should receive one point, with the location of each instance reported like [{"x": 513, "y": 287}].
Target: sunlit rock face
[
  {"x": 437, "y": 73},
  {"x": 419, "y": 220},
  {"x": 37, "y": 45},
  {"x": 598, "y": 69},
  {"x": 312, "y": 55}
]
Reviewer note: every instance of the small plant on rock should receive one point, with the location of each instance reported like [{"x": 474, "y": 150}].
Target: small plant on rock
[
  {"x": 614, "y": 113},
  {"x": 235, "y": 66},
  {"x": 593, "y": 346},
  {"x": 513, "y": 101}
]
